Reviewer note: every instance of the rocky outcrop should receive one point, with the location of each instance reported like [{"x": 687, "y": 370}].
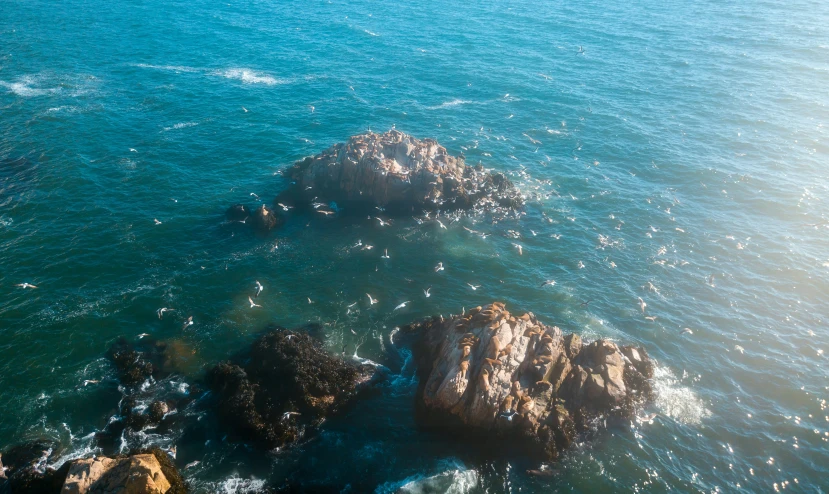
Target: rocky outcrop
[
  {"x": 508, "y": 376},
  {"x": 286, "y": 385},
  {"x": 145, "y": 472},
  {"x": 264, "y": 219},
  {"x": 27, "y": 468},
  {"x": 399, "y": 173}
]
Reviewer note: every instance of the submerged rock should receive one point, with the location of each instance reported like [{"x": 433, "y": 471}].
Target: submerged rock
[
  {"x": 512, "y": 377},
  {"x": 237, "y": 212},
  {"x": 399, "y": 173},
  {"x": 144, "y": 472},
  {"x": 288, "y": 383}
]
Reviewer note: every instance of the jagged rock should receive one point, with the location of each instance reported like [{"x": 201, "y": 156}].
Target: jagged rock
[
  {"x": 397, "y": 172},
  {"x": 511, "y": 377},
  {"x": 288, "y": 383},
  {"x": 237, "y": 212},
  {"x": 133, "y": 366},
  {"x": 264, "y": 219},
  {"x": 145, "y": 472},
  {"x": 27, "y": 468}
]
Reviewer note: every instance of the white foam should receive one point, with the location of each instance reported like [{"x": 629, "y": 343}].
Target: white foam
[
  {"x": 249, "y": 76},
  {"x": 23, "y": 89},
  {"x": 181, "y": 125},
  {"x": 675, "y": 400},
  {"x": 236, "y": 485},
  {"x": 174, "y": 68},
  {"x": 454, "y": 481},
  {"x": 450, "y": 104}
]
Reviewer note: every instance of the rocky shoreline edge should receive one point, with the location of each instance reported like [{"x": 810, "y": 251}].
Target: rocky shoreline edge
[{"x": 486, "y": 374}]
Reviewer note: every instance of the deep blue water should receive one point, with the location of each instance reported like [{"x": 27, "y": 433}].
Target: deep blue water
[{"x": 688, "y": 139}]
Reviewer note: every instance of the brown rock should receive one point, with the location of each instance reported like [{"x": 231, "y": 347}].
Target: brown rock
[
  {"x": 139, "y": 474},
  {"x": 551, "y": 380},
  {"x": 400, "y": 173}
]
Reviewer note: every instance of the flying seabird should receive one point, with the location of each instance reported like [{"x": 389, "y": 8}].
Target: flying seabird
[
  {"x": 427, "y": 291},
  {"x": 259, "y": 288},
  {"x": 474, "y": 287},
  {"x": 548, "y": 282},
  {"x": 642, "y": 305},
  {"x": 371, "y": 301},
  {"x": 402, "y": 304},
  {"x": 188, "y": 322},
  {"x": 520, "y": 249},
  {"x": 162, "y": 310},
  {"x": 386, "y": 254},
  {"x": 441, "y": 224},
  {"x": 439, "y": 267},
  {"x": 156, "y": 221},
  {"x": 25, "y": 285},
  {"x": 252, "y": 304}
]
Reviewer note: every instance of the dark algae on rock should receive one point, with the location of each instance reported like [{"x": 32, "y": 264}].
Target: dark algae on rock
[{"x": 287, "y": 384}]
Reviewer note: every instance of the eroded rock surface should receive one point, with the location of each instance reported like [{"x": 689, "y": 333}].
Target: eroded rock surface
[
  {"x": 146, "y": 472},
  {"x": 498, "y": 373},
  {"x": 287, "y": 384},
  {"x": 399, "y": 173}
]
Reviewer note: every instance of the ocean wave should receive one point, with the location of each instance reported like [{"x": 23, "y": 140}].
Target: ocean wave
[
  {"x": 24, "y": 88},
  {"x": 181, "y": 125},
  {"x": 235, "y": 485},
  {"x": 249, "y": 76},
  {"x": 450, "y": 104},
  {"x": 674, "y": 400},
  {"x": 457, "y": 480},
  {"x": 173, "y": 68}
]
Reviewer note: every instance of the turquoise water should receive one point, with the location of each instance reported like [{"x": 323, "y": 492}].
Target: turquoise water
[{"x": 689, "y": 139}]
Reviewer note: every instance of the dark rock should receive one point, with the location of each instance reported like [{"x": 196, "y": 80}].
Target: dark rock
[
  {"x": 516, "y": 379},
  {"x": 399, "y": 173},
  {"x": 28, "y": 471},
  {"x": 264, "y": 219},
  {"x": 133, "y": 367},
  {"x": 288, "y": 383},
  {"x": 237, "y": 212}
]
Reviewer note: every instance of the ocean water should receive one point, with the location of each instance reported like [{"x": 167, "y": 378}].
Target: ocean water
[{"x": 682, "y": 144}]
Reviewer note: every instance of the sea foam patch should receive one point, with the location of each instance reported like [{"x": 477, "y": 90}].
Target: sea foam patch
[
  {"x": 249, "y": 76},
  {"x": 675, "y": 400}
]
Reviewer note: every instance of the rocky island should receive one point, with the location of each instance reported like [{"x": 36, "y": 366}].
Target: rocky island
[
  {"x": 501, "y": 376},
  {"x": 394, "y": 172}
]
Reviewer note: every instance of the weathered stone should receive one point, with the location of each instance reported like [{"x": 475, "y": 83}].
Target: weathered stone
[
  {"x": 148, "y": 472},
  {"x": 541, "y": 392},
  {"x": 399, "y": 173}
]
